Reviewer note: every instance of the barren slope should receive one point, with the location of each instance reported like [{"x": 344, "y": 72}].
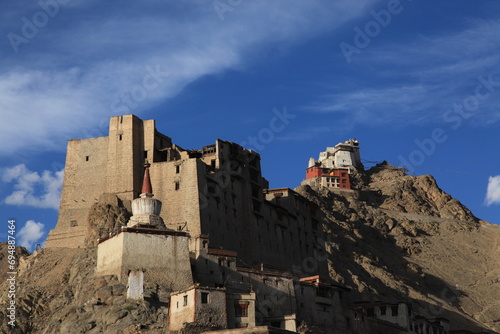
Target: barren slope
[{"x": 402, "y": 238}]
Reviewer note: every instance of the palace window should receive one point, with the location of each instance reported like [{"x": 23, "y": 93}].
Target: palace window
[
  {"x": 241, "y": 310},
  {"x": 204, "y": 297}
]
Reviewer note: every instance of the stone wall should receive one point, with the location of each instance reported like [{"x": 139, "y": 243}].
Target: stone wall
[
  {"x": 125, "y": 157},
  {"x": 235, "y": 320},
  {"x": 176, "y": 185},
  {"x": 164, "y": 258},
  {"x": 84, "y": 182},
  {"x": 182, "y": 309},
  {"x": 190, "y": 306},
  {"x": 320, "y": 307}
]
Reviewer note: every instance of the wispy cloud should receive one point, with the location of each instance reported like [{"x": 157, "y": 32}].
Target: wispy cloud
[
  {"x": 39, "y": 190},
  {"x": 493, "y": 191},
  {"x": 94, "y": 55},
  {"x": 31, "y": 232},
  {"x": 419, "y": 80}
]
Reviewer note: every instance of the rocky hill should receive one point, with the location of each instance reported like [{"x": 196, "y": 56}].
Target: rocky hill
[
  {"x": 401, "y": 237},
  {"x": 398, "y": 237}
]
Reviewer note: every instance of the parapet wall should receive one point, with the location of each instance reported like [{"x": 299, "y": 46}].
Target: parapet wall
[{"x": 163, "y": 257}]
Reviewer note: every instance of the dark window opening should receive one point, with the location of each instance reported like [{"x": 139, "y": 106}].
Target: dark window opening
[
  {"x": 276, "y": 324},
  {"x": 185, "y": 300},
  {"x": 212, "y": 163},
  {"x": 177, "y": 185},
  {"x": 255, "y": 191},
  {"x": 241, "y": 310},
  {"x": 74, "y": 223},
  {"x": 383, "y": 310},
  {"x": 370, "y": 312},
  {"x": 211, "y": 189},
  {"x": 120, "y": 137},
  {"x": 177, "y": 169},
  {"x": 204, "y": 297},
  {"x": 145, "y": 154},
  {"x": 394, "y": 310},
  {"x": 87, "y": 158},
  {"x": 315, "y": 224},
  {"x": 256, "y": 205}
]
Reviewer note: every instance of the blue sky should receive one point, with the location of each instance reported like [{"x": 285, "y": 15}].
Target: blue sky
[{"x": 416, "y": 82}]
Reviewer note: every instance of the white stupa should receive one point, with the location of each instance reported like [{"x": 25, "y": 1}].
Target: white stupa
[{"x": 146, "y": 209}]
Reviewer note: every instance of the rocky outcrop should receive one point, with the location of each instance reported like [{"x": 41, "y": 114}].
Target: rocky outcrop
[
  {"x": 105, "y": 217},
  {"x": 20, "y": 254}
]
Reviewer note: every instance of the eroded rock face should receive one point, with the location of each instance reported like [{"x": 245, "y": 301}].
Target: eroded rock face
[
  {"x": 419, "y": 195},
  {"x": 105, "y": 217},
  {"x": 20, "y": 253},
  {"x": 401, "y": 237}
]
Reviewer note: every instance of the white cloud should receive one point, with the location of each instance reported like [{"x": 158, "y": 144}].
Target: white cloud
[
  {"x": 40, "y": 190},
  {"x": 377, "y": 105},
  {"x": 29, "y": 234},
  {"x": 79, "y": 71},
  {"x": 493, "y": 191}
]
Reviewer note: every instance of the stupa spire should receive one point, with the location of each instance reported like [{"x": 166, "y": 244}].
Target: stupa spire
[
  {"x": 147, "y": 189},
  {"x": 146, "y": 209}
]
